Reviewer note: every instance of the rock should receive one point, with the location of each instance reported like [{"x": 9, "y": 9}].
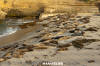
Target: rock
[
  {"x": 29, "y": 47},
  {"x": 66, "y": 34},
  {"x": 3, "y": 53},
  {"x": 60, "y": 32},
  {"x": 79, "y": 43},
  {"x": 55, "y": 30},
  {"x": 51, "y": 43},
  {"x": 91, "y": 61},
  {"x": 57, "y": 37},
  {"x": 78, "y": 16},
  {"x": 2, "y": 15},
  {"x": 72, "y": 19},
  {"x": 62, "y": 49},
  {"x": 8, "y": 56},
  {"x": 78, "y": 33},
  {"x": 67, "y": 42},
  {"x": 42, "y": 40},
  {"x": 81, "y": 27},
  {"x": 64, "y": 38},
  {"x": 84, "y": 20},
  {"x": 91, "y": 29},
  {"x": 40, "y": 46},
  {"x": 43, "y": 22},
  {"x": 72, "y": 31},
  {"x": 1, "y": 59}
]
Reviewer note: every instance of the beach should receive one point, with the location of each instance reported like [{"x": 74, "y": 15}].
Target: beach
[{"x": 72, "y": 41}]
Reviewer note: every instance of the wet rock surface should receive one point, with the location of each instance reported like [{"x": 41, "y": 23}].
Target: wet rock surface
[{"x": 61, "y": 35}]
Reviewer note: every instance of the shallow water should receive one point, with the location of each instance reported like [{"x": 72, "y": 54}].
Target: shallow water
[
  {"x": 5, "y": 29},
  {"x": 10, "y": 26}
]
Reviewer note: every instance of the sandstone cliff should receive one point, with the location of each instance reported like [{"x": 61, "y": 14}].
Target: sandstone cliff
[
  {"x": 12, "y": 8},
  {"x": 20, "y": 7}
]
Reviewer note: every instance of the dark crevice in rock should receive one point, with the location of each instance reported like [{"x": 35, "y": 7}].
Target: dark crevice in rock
[{"x": 92, "y": 29}]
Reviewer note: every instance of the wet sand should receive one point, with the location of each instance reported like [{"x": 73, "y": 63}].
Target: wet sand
[{"x": 19, "y": 35}]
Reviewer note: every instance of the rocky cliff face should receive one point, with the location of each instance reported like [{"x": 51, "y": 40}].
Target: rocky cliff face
[
  {"x": 2, "y": 14},
  {"x": 20, "y": 7},
  {"x": 31, "y": 7}
]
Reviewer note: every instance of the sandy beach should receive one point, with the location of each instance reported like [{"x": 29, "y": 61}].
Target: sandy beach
[{"x": 72, "y": 41}]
